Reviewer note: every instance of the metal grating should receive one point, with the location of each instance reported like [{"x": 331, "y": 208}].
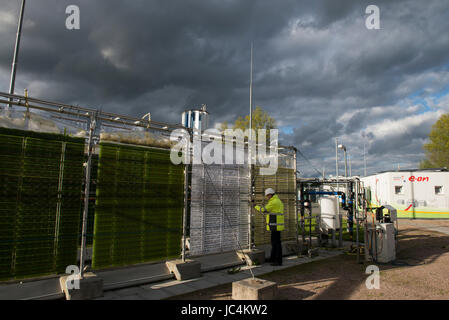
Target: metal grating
[{"x": 219, "y": 208}]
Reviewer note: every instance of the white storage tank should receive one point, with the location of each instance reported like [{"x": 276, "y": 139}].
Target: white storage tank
[{"x": 329, "y": 214}]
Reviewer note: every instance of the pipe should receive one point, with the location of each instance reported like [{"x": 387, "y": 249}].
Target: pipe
[
  {"x": 301, "y": 208},
  {"x": 101, "y": 115},
  {"x": 16, "y": 51},
  {"x": 334, "y": 193}
]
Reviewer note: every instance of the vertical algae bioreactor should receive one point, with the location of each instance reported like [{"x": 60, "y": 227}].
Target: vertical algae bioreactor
[
  {"x": 139, "y": 208},
  {"x": 40, "y": 200}
]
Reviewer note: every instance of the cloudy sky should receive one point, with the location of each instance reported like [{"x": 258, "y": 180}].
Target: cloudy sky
[{"x": 317, "y": 69}]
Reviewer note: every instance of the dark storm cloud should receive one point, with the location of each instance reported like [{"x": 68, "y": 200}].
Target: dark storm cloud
[
  {"x": 356, "y": 122},
  {"x": 317, "y": 68}
]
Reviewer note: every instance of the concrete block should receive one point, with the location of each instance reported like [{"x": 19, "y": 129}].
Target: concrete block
[
  {"x": 90, "y": 287},
  {"x": 254, "y": 289},
  {"x": 253, "y": 257},
  {"x": 189, "y": 269}
]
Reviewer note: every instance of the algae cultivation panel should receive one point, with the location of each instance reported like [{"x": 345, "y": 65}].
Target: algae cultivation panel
[
  {"x": 139, "y": 206},
  {"x": 40, "y": 199}
]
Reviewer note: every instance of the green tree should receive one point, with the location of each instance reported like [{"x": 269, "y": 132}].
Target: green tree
[
  {"x": 223, "y": 126},
  {"x": 437, "y": 150},
  {"x": 261, "y": 120}
]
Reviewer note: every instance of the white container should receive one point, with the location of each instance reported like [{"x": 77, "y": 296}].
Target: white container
[{"x": 329, "y": 216}]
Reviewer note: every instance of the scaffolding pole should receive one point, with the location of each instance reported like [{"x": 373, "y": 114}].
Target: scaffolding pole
[
  {"x": 296, "y": 208},
  {"x": 184, "y": 214},
  {"x": 91, "y": 142}
]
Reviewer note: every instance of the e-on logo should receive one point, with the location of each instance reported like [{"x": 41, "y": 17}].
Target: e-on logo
[{"x": 418, "y": 179}]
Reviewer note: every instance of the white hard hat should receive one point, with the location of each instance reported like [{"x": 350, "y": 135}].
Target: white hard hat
[{"x": 269, "y": 191}]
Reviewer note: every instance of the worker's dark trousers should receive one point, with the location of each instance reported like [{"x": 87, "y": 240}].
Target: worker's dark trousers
[{"x": 276, "y": 247}]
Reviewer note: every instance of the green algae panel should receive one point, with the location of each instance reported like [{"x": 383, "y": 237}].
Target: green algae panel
[
  {"x": 139, "y": 206},
  {"x": 40, "y": 178},
  {"x": 284, "y": 183}
]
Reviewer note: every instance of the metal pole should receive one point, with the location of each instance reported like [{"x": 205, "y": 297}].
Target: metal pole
[
  {"x": 336, "y": 159},
  {"x": 346, "y": 163},
  {"x": 350, "y": 166},
  {"x": 357, "y": 190},
  {"x": 184, "y": 215},
  {"x": 250, "y": 156},
  {"x": 302, "y": 212},
  {"x": 338, "y": 189},
  {"x": 296, "y": 209},
  {"x": 365, "y": 217},
  {"x": 364, "y": 156},
  {"x": 16, "y": 52},
  {"x": 310, "y": 221},
  {"x": 340, "y": 215},
  {"x": 93, "y": 123},
  {"x": 186, "y": 193},
  {"x": 340, "y": 219},
  {"x": 251, "y": 95}
]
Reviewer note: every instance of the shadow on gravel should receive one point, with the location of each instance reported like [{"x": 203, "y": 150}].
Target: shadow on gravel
[{"x": 341, "y": 275}]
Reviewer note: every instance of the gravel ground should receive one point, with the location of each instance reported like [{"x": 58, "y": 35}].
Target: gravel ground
[{"x": 421, "y": 271}]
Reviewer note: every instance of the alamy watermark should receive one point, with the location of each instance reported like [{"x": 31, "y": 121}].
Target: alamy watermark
[
  {"x": 73, "y": 281},
  {"x": 72, "y": 22},
  {"x": 373, "y": 281},
  {"x": 228, "y": 147},
  {"x": 372, "y": 22}
]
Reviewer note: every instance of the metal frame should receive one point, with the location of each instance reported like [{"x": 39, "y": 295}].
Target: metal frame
[
  {"x": 94, "y": 119},
  {"x": 357, "y": 185}
]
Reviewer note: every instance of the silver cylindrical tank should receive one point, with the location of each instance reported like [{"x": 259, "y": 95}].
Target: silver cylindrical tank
[
  {"x": 329, "y": 216},
  {"x": 196, "y": 119}
]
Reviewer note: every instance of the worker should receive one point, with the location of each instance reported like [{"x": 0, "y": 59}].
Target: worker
[{"x": 274, "y": 211}]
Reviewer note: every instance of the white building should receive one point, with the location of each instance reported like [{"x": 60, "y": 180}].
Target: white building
[{"x": 422, "y": 194}]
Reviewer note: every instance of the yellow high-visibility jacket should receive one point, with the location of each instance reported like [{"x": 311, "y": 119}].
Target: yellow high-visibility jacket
[{"x": 274, "y": 211}]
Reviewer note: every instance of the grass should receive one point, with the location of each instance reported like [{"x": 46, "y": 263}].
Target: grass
[{"x": 346, "y": 234}]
